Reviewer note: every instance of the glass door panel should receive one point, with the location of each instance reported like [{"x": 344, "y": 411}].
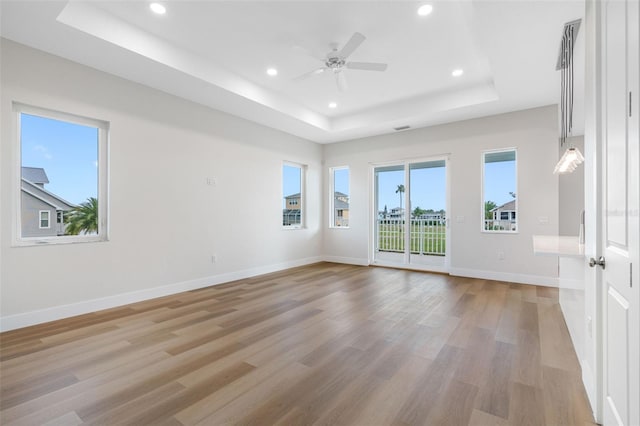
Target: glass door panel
[
  {"x": 428, "y": 215},
  {"x": 390, "y": 218}
]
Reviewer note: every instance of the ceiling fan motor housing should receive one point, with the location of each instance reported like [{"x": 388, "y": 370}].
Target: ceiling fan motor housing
[{"x": 335, "y": 63}]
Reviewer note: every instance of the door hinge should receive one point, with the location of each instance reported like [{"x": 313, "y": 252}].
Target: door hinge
[
  {"x": 629, "y": 104},
  {"x": 631, "y": 275}
]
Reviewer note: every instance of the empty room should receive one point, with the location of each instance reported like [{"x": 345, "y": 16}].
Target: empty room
[{"x": 319, "y": 212}]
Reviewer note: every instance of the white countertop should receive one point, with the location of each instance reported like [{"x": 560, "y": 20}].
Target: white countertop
[{"x": 557, "y": 246}]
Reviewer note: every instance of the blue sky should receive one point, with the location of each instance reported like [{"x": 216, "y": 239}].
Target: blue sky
[
  {"x": 500, "y": 179},
  {"x": 290, "y": 181},
  {"x": 67, "y": 152},
  {"x": 428, "y": 186}
]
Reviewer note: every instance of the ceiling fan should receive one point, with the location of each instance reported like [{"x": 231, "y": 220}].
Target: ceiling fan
[{"x": 336, "y": 61}]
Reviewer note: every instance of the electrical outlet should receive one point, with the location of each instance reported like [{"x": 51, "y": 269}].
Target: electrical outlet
[
  {"x": 211, "y": 181},
  {"x": 214, "y": 258},
  {"x": 500, "y": 255}
]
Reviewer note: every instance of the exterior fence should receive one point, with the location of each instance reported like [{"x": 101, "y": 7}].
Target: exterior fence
[
  {"x": 427, "y": 236},
  {"x": 500, "y": 225},
  {"x": 291, "y": 217}
]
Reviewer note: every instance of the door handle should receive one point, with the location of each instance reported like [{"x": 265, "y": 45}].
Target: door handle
[{"x": 600, "y": 261}]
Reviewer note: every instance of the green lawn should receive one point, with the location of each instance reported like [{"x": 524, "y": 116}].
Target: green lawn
[{"x": 424, "y": 239}]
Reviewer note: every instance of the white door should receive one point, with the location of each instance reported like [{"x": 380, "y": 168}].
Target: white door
[{"x": 620, "y": 222}]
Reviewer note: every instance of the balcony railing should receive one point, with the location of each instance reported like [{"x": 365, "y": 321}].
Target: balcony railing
[
  {"x": 500, "y": 225},
  {"x": 427, "y": 236}
]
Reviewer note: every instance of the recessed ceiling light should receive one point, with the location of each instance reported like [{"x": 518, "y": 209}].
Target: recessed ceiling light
[
  {"x": 272, "y": 72},
  {"x": 457, "y": 73},
  {"x": 158, "y": 8},
  {"x": 333, "y": 105},
  {"x": 425, "y": 9}
]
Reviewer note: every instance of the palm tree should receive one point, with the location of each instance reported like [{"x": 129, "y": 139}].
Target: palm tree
[
  {"x": 83, "y": 218},
  {"x": 400, "y": 191},
  {"x": 488, "y": 206}
]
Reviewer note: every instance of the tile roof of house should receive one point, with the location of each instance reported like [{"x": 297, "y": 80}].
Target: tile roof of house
[{"x": 35, "y": 175}]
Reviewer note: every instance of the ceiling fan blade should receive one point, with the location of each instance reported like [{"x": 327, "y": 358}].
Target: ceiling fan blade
[
  {"x": 310, "y": 74},
  {"x": 341, "y": 81},
  {"x": 369, "y": 66},
  {"x": 353, "y": 43}
]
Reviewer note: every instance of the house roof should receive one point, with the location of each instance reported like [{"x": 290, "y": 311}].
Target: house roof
[
  {"x": 297, "y": 195},
  {"x": 511, "y": 205},
  {"x": 340, "y": 205},
  {"x": 340, "y": 194},
  {"x": 48, "y": 197},
  {"x": 35, "y": 175}
]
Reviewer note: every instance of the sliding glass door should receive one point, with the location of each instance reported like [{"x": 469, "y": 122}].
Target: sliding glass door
[{"x": 410, "y": 214}]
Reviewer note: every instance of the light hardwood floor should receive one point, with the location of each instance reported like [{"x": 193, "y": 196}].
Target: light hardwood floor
[{"x": 320, "y": 344}]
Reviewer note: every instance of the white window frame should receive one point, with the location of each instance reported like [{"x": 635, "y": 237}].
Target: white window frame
[
  {"x": 482, "y": 200},
  {"x": 332, "y": 193},
  {"x": 103, "y": 177},
  {"x": 303, "y": 183},
  {"x": 40, "y": 219}
]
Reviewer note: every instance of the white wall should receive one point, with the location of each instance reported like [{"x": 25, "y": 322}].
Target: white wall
[
  {"x": 165, "y": 221},
  {"x": 533, "y": 132}
]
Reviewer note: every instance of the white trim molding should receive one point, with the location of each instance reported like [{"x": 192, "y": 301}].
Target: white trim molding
[
  {"x": 12, "y": 322},
  {"x": 540, "y": 280},
  {"x": 346, "y": 260}
]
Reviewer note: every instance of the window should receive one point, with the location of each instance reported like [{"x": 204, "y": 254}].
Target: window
[
  {"x": 339, "y": 197},
  {"x": 500, "y": 203},
  {"x": 44, "y": 219},
  {"x": 293, "y": 176},
  {"x": 61, "y": 173}
]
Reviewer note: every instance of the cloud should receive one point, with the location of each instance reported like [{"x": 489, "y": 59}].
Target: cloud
[{"x": 41, "y": 149}]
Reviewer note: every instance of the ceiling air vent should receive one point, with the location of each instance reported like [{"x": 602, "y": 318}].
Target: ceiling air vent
[{"x": 398, "y": 129}]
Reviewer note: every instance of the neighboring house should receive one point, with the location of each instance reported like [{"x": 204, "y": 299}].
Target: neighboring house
[
  {"x": 341, "y": 206},
  {"x": 42, "y": 212},
  {"x": 292, "y": 202},
  {"x": 396, "y": 213},
  {"x": 504, "y": 216},
  {"x": 291, "y": 215}
]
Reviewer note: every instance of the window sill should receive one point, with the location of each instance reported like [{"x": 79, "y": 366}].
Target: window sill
[{"x": 39, "y": 242}]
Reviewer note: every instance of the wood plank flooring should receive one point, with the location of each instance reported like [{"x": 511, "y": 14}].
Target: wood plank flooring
[{"x": 324, "y": 344}]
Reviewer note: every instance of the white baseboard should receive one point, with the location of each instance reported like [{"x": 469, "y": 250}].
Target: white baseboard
[
  {"x": 346, "y": 260},
  {"x": 12, "y": 322},
  {"x": 588, "y": 380},
  {"x": 542, "y": 280}
]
